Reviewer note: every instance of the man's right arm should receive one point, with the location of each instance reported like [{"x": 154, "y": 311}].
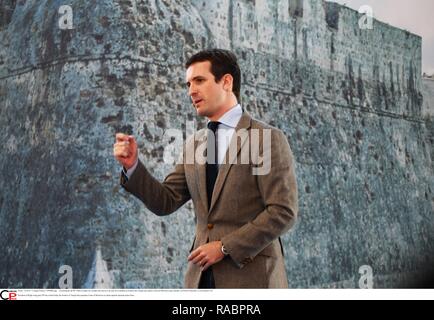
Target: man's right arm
[{"x": 161, "y": 198}]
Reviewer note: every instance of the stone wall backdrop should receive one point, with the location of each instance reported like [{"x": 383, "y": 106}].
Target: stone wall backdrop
[{"x": 350, "y": 100}]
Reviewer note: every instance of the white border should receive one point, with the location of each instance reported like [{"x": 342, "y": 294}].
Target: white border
[{"x": 223, "y": 294}]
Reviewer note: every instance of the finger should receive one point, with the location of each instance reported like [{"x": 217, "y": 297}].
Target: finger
[
  {"x": 122, "y": 155},
  {"x": 121, "y": 147},
  {"x": 206, "y": 266},
  {"x": 198, "y": 259},
  {"x": 202, "y": 262},
  {"x": 121, "y": 137},
  {"x": 205, "y": 261},
  {"x": 122, "y": 144},
  {"x": 193, "y": 254},
  {"x": 131, "y": 139},
  {"x": 120, "y": 152}
]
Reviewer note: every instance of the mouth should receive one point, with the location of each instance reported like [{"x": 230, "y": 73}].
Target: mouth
[{"x": 196, "y": 102}]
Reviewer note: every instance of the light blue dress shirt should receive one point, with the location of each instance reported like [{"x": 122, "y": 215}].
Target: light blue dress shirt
[{"x": 225, "y": 131}]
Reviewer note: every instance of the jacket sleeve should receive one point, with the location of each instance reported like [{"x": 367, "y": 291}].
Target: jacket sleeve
[
  {"x": 161, "y": 198},
  {"x": 278, "y": 189}
]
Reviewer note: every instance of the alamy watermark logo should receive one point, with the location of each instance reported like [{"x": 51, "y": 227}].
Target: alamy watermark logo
[
  {"x": 252, "y": 147},
  {"x": 65, "y": 281},
  {"x": 366, "y": 280},
  {"x": 366, "y": 22},
  {"x": 66, "y": 18}
]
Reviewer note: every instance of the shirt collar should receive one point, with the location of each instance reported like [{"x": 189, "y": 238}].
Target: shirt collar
[{"x": 232, "y": 116}]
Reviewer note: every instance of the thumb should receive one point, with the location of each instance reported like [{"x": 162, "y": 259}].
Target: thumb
[{"x": 131, "y": 139}]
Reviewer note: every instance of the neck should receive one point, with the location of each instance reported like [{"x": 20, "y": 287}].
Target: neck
[{"x": 222, "y": 110}]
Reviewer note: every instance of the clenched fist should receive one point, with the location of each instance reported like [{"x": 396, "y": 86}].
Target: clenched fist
[{"x": 125, "y": 150}]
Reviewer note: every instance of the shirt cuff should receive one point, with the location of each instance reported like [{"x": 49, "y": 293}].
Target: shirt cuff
[{"x": 130, "y": 171}]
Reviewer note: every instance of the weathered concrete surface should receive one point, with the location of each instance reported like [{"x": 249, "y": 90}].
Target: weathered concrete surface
[
  {"x": 349, "y": 100},
  {"x": 428, "y": 94}
]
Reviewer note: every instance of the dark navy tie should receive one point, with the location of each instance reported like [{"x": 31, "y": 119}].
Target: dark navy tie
[{"x": 211, "y": 159}]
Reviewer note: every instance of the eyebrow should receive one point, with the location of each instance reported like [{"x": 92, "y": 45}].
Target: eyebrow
[{"x": 195, "y": 78}]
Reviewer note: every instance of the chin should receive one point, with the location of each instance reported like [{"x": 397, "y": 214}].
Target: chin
[{"x": 201, "y": 112}]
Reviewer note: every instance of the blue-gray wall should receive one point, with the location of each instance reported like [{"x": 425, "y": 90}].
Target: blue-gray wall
[{"x": 349, "y": 100}]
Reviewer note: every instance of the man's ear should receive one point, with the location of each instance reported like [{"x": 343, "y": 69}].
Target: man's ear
[{"x": 228, "y": 81}]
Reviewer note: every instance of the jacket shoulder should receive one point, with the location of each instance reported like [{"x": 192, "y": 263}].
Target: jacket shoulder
[{"x": 257, "y": 124}]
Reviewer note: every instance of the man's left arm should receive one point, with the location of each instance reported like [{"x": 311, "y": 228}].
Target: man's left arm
[{"x": 279, "y": 192}]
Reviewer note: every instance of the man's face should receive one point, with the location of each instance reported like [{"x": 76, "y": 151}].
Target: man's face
[{"x": 207, "y": 95}]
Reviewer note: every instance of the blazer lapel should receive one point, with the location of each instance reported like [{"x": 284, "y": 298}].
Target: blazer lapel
[
  {"x": 243, "y": 124},
  {"x": 199, "y": 164}
]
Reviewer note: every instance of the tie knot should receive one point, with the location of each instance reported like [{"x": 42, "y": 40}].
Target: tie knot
[{"x": 212, "y": 125}]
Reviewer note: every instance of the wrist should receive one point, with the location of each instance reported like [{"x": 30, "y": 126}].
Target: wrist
[
  {"x": 129, "y": 171},
  {"x": 130, "y": 166}
]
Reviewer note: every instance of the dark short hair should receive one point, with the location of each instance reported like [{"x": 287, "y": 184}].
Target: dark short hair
[{"x": 222, "y": 62}]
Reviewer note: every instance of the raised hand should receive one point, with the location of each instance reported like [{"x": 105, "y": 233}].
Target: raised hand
[{"x": 125, "y": 150}]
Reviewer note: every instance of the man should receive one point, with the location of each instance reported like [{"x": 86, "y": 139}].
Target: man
[{"x": 240, "y": 214}]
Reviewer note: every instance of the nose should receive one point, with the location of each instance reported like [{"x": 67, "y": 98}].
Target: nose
[{"x": 192, "y": 90}]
